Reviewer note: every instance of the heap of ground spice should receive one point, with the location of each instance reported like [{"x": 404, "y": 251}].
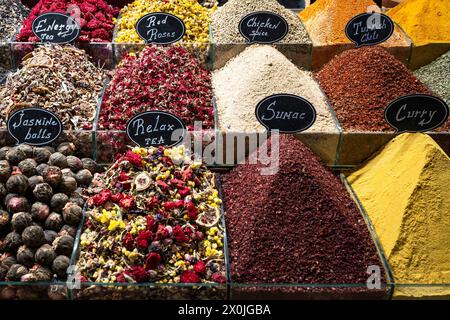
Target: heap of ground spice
[
  {"x": 12, "y": 13},
  {"x": 298, "y": 226},
  {"x": 159, "y": 78},
  {"x": 57, "y": 78},
  {"x": 326, "y": 20},
  {"x": 436, "y": 76},
  {"x": 360, "y": 84},
  {"x": 424, "y": 21},
  {"x": 95, "y": 17},
  {"x": 195, "y": 17},
  {"x": 405, "y": 192},
  {"x": 258, "y": 72}
]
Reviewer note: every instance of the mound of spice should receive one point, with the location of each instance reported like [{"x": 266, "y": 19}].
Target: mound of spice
[
  {"x": 195, "y": 17},
  {"x": 424, "y": 21},
  {"x": 255, "y": 74},
  {"x": 40, "y": 194},
  {"x": 360, "y": 84},
  {"x": 57, "y": 78},
  {"x": 298, "y": 226},
  {"x": 404, "y": 190},
  {"x": 95, "y": 17},
  {"x": 436, "y": 76},
  {"x": 154, "y": 216},
  {"x": 225, "y": 21},
  {"x": 159, "y": 78},
  {"x": 12, "y": 13},
  {"x": 326, "y": 20}
]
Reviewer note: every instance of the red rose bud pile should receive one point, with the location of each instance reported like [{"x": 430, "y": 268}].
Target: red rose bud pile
[
  {"x": 95, "y": 17},
  {"x": 40, "y": 211},
  {"x": 299, "y": 226},
  {"x": 160, "y": 78},
  {"x": 154, "y": 216}
]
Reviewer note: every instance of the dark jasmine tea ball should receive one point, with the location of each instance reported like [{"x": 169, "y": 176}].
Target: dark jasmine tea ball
[
  {"x": 74, "y": 163},
  {"x": 39, "y": 274},
  {"x": 33, "y": 236},
  {"x": 43, "y": 192},
  {"x": 45, "y": 255},
  {"x": 16, "y": 272},
  {"x": 66, "y": 148},
  {"x": 7, "y": 262},
  {"x": 50, "y": 236},
  {"x": 4, "y": 218},
  {"x": 15, "y": 155},
  {"x": 3, "y": 191},
  {"x": 26, "y": 149},
  {"x": 41, "y": 168},
  {"x": 89, "y": 164},
  {"x": 58, "y": 159},
  {"x": 17, "y": 183},
  {"x": 28, "y": 167},
  {"x": 3, "y": 272},
  {"x": 34, "y": 181},
  {"x": 54, "y": 222},
  {"x": 84, "y": 177},
  {"x": 5, "y": 170},
  {"x": 17, "y": 204},
  {"x": 52, "y": 175},
  {"x": 68, "y": 173},
  {"x": 63, "y": 245},
  {"x": 25, "y": 256},
  {"x": 40, "y": 211},
  {"x": 68, "y": 185},
  {"x": 3, "y": 152},
  {"x": 12, "y": 242},
  {"x": 77, "y": 199},
  {"x": 72, "y": 214},
  {"x": 58, "y": 201},
  {"x": 60, "y": 265},
  {"x": 68, "y": 230},
  {"x": 41, "y": 155},
  {"x": 21, "y": 220}
]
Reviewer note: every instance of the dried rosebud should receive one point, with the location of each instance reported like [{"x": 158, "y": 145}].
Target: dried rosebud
[
  {"x": 41, "y": 168},
  {"x": 41, "y": 155},
  {"x": 84, "y": 177},
  {"x": 63, "y": 245},
  {"x": 17, "y": 183},
  {"x": 15, "y": 155},
  {"x": 17, "y": 204},
  {"x": 60, "y": 265},
  {"x": 66, "y": 148},
  {"x": 74, "y": 163},
  {"x": 89, "y": 164},
  {"x": 45, "y": 255},
  {"x": 21, "y": 220},
  {"x": 5, "y": 170},
  {"x": 28, "y": 167},
  {"x": 25, "y": 256},
  {"x": 52, "y": 175},
  {"x": 16, "y": 272},
  {"x": 33, "y": 236},
  {"x": 68, "y": 185},
  {"x": 34, "y": 181},
  {"x": 40, "y": 211},
  {"x": 43, "y": 192},
  {"x": 58, "y": 160},
  {"x": 72, "y": 214},
  {"x": 54, "y": 222}
]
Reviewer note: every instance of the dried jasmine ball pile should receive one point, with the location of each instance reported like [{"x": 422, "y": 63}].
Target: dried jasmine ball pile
[
  {"x": 40, "y": 210},
  {"x": 57, "y": 78},
  {"x": 154, "y": 217}
]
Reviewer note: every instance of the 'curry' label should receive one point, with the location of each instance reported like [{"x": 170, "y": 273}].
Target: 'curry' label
[
  {"x": 263, "y": 27},
  {"x": 368, "y": 29},
  {"x": 286, "y": 113},
  {"x": 156, "y": 128},
  {"x": 53, "y": 27},
  {"x": 34, "y": 126},
  {"x": 160, "y": 28},
  {"x": 416, "y": 113}
]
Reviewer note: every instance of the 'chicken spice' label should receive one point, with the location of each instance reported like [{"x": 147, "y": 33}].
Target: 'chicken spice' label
[
  {"x": 286, "y": 112},
  {"x": 160, "y": 28},
  {"x": 263, "y": 27},
  {"x": 56, "y": 27},
  {"x": 368, "y": 29},
  {"x": 34, "y": 126},
  {"x": 156, "y": 128},
  {"x": 416, "y": 113}
]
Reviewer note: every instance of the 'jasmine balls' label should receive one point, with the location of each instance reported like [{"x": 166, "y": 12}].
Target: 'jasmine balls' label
[
  {"x": 263, "y": 27},
  {"x": 160, "y": 28}
]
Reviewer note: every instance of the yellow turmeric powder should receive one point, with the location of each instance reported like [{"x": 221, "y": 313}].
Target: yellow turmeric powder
[
  {"x": 405, "y": 191},
  {"x": 326, "y": 20},
  {"x": 425, "y": 21}
]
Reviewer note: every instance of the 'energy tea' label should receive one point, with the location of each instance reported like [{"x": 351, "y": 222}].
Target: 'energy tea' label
[
  {"x": 55, "y": 27},
  {"x": 160, "y": 28},
  {"x": 368, "y": 29},
  {"x": 263, "y": 27},
  {"x": 34, "y": 126},
  {"x": 156, "y": 128},
  {"x": 286, "y": 113},
  {"x": 416, "y": 113}
]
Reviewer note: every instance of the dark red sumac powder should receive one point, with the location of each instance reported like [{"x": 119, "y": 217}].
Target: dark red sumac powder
[
  {"x": 360, "y": 84},
  {"x": 160, "y": 78},
  {"x": 297, "y": 226}
]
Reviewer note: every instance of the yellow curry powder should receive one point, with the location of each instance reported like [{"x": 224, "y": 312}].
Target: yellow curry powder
[
  {"x": 405, "y": 190},
  {"x": 195, "y": 17},
  {"x": 326, "y": 20},
  {"x": 425, "y": 21}
]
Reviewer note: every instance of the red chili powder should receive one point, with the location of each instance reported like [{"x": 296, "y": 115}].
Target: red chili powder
[
  {"x": 360, "y": 84},
  {"x": 95, "y": 18},
  {"x": 160, "y": 78},
  {"x": 297, "y": 226}
]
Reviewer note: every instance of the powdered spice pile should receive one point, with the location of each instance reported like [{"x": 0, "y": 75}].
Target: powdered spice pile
[
  {"x": 297, "y": 226},
  {"x": 360, "y": 84},
  {"x": 159, "y": 78},
  {"x": 95, "y": 18}
]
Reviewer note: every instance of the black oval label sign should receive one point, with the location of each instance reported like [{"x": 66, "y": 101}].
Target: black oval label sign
[
  {"x": 156, "y": 128},
  {"x": 160, "y": 28},
  {"x": 55, "y": 27},
  {"x": 286, "y": 112},
  {"x": 263, "y": 27},
  {"x": 368, "y": 29},
  {"x": 34, "y": 126},
  {"x": 416, "y": 113}
]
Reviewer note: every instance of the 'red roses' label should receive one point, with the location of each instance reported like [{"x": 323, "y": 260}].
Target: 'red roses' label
[
  {"x": 160, "y": 28},
  {"x": 155, "y": 129}
]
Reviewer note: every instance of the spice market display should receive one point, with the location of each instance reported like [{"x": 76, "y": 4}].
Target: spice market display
[{"x": 338, "y": 183}]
